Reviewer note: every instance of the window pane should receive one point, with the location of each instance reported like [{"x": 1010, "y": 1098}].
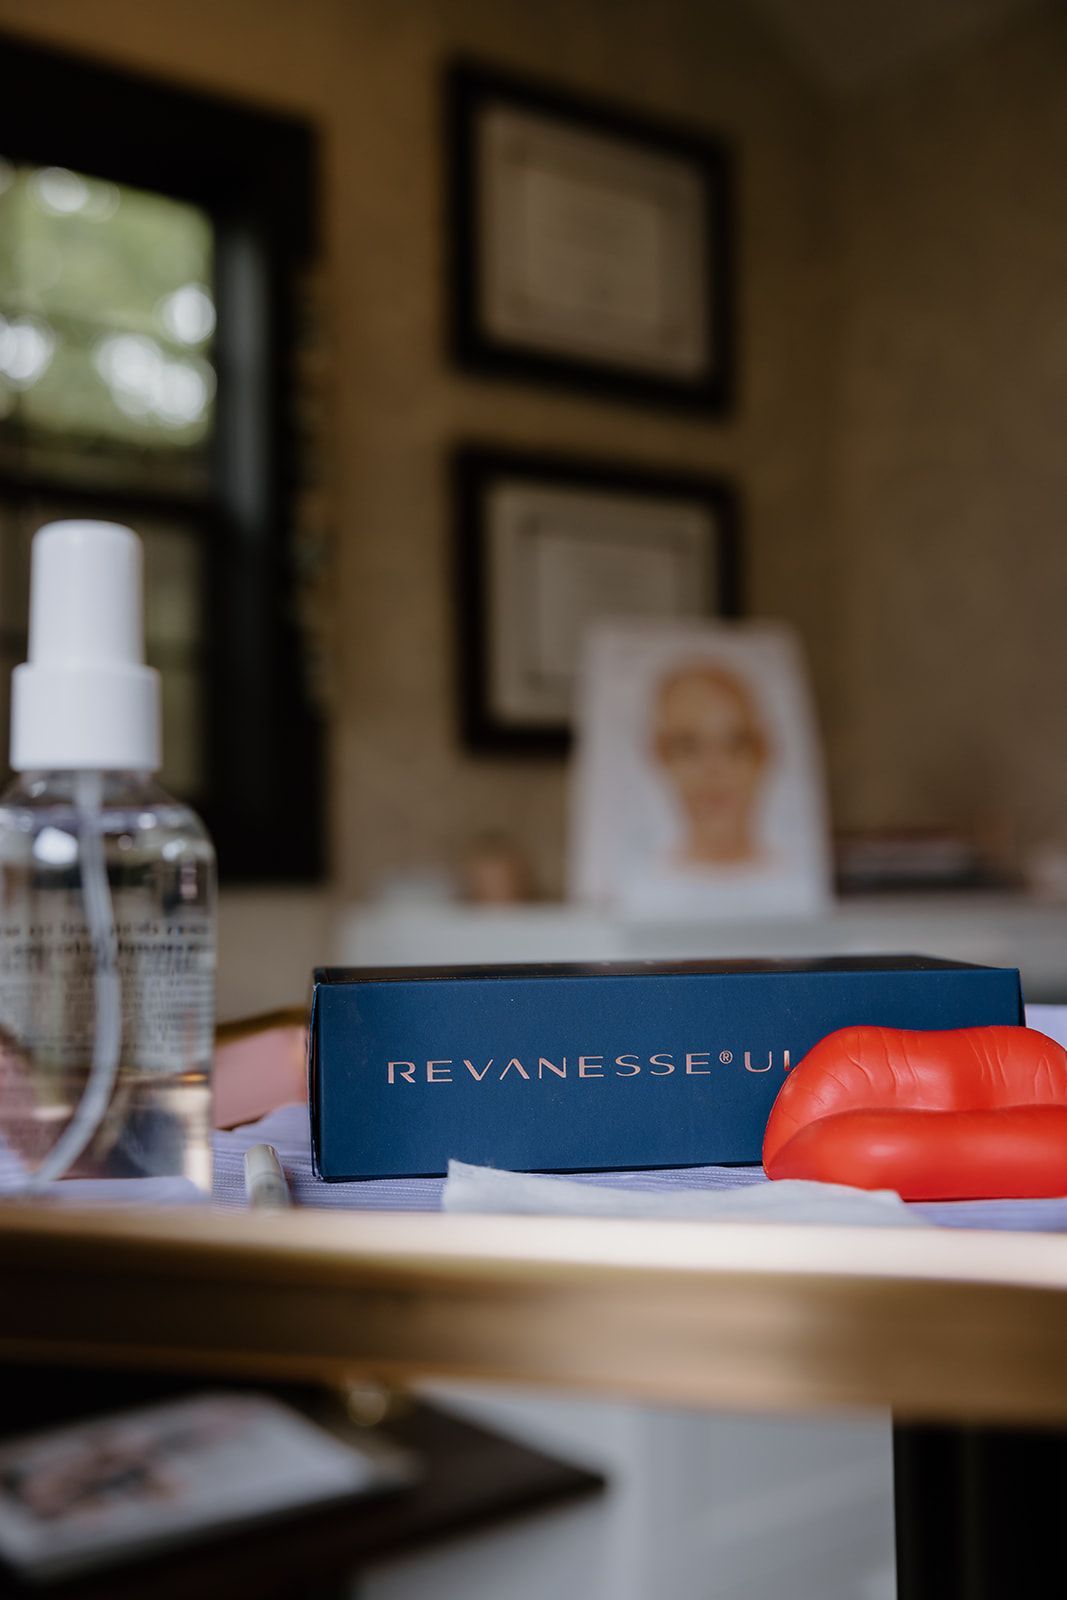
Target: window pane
[
  {"x": 183, "y": 753},
  {"x": 173, "y": 589},
  {"x": 14, "y": 582},
  {"x": 106, "y": 327},
  {"x": 8, "y": 663},
  {"x": 174, "y": 629}
]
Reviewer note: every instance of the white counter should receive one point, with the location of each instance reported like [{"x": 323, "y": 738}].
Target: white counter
[{"x": 999, "y": 929}]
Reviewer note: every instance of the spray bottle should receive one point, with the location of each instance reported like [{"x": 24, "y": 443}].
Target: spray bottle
[{"x": 107, "y": 893}]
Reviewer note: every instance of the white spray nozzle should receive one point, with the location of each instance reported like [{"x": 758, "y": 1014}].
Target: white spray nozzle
[
  {"x": 85, "y": 700},
  {"x": 85, "y": 595}
]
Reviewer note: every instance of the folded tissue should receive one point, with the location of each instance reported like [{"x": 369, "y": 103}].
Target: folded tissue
[{"x": 487, "y": 1189}]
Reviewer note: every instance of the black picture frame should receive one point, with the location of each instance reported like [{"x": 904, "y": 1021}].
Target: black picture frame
[
  {"x": 475, "y": 470},
  {"x": 470, "y": 88}
]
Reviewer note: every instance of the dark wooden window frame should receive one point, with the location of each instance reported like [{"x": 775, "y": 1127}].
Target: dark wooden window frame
[{"x": 255, "y": 173}]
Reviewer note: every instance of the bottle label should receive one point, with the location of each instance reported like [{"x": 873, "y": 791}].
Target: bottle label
[{"x": 166, "y": 968}]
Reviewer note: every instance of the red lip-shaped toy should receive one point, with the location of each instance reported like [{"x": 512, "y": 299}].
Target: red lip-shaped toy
[{"x": 964, "y": 1114}]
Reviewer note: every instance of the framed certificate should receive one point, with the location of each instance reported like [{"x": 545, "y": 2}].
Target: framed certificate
[
  {"x": 590, "y": 247},
  {"x": 547, "y": 546}
]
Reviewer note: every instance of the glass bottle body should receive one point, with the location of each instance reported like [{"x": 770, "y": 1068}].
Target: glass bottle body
[{"x": 152, "y": 929}]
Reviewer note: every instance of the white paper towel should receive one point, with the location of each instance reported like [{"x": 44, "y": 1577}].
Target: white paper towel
[{"x": 470, "y": 1188}]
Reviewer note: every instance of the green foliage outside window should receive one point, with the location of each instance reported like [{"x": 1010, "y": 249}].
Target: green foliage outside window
[{"x": 106, "y": 315}]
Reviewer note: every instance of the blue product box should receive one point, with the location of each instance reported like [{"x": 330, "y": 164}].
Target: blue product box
[{"x": 579, "y": 1068}]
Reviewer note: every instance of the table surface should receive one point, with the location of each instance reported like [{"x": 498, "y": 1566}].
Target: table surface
[{"x": 936, "y": 1324}]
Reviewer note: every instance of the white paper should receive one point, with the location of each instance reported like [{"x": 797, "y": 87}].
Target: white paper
[{"x": 487, "y": 1189}]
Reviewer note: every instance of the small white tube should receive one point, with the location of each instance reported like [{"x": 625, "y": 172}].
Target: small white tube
[{"x": 265, "y": 1182}]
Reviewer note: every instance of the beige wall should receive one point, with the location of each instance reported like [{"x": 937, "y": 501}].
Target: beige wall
[
  {"x": 950, "y": 441},
  {"x": 368, "y": 72}
]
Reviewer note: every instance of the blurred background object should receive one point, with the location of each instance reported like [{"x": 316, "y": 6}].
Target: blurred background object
[
  {"x": 229, "y": 239},
  {"x": 698, "y": 782},
  {"x": 495, "y": 872},
  {"x": 1046, "y": 873},
  {"x": 888, "y": 860}
]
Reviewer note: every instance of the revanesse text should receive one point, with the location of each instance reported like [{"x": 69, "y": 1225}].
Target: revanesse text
[{"x": 694, "y": 1063}]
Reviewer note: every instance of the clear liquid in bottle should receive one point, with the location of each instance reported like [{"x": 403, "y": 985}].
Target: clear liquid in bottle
[{"x": 160, "y": 876}]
